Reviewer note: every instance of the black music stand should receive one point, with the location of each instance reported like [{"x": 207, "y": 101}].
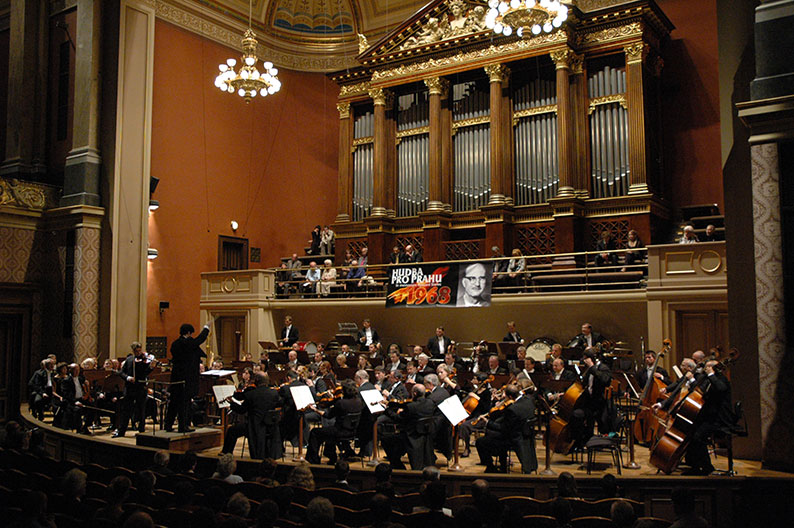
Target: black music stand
[
  {"x": 507, "y": 349},
  {"x": 163, "y": 409},
  {"x": 545, "y": 409}
]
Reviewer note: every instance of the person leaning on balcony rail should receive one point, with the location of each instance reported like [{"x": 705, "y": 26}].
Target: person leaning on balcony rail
[{"x": 689, "y": 237}]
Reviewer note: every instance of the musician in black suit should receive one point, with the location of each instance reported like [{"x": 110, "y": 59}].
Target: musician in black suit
[
  {"x": 716, "y": 416},
  {"x": 643, "y": 373},
  {"x": 40, "y": 387},
  {"x": 508, "y": 431},
  {"x": 415, "y": 437},
  {"x": 186, "y": 356},
  {"x": 291, "y": 419},
  {"x": 289, "y": 334},
  {"x": 688, "y": 377},
  {"x": 412, "y": 373},
  {"x": 135, "y": 371},
  {"x": 512, "y": 335},
  {"x": 346, "y": 413},
  {"x": 237, "y": 421},
  {"x": 595, "y": 380},
  {"x": 397, "y": 389},
  {"x": 443, "y": 429},
  {"x": 367, "y": 419},
  {"x": 264, "y": 439},
  {"x": 587, "y": 338},
  {"x": 367, "y": 335},
  {"x": 422, "y": 366},
  {"x": 438, "y": 344},
  {"x": 494, "y": 368},
  {"x": 482, "y": 389}
]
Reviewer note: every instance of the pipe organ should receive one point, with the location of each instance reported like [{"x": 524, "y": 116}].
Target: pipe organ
[{"x": 455, "y": 133}]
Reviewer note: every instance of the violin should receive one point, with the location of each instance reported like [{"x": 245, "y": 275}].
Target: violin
[{"x": 495, "y": 411}]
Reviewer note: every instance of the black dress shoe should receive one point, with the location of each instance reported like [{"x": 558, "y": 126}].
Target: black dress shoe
[{"x": 117, "y": 435}]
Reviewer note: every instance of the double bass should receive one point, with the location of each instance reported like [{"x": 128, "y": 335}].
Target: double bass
[
  {"x": 646, "y": 425},
  {"x": 560, "y": 439}
]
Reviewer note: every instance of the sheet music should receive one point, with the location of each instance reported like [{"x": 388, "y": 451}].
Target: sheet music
[
  {"x": 302, "y": 396},
  {"x": 373, "y": 399},
  {"x": 678, "y": 372},
  {"x": 221, "y": 393},
  {"x": 219, "y": 373},
  {"x": 453, "y": 410}
]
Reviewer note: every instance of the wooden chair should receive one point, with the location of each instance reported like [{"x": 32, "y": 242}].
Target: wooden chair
[
  {"x": 456, "y": 502},
  {"x": 592, "y": 522},
  {"x": 350, "y": 517},
  {"x": 539, "y": 521},
  {"x": 526, "y": 505},
  {"x": 342, "y": 497},
  {"x": 255, "y": 490},
  {"x": 405, "y": 503}
]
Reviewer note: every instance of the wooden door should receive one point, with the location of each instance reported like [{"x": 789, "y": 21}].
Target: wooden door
[
  {"x": 231, "y": 337},
  {"x": 700, "y": 330}
]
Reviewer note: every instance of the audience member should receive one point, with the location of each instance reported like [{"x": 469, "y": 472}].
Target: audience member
[
  {"x": 689, "y": 237},
  {"x": 320, "y": 513},
  {"x": 380, "y": 507},
  {"x": 183, "y": 496},
  {"x": 160, "y": 464},
  {"x": 139, "y": 519},
  {"x": 342, "y": 470},
  {"x": 203, "y": 517},
  {"x": 145, "y": 482},
  {"x": 609, "y": 487},
  {"x": 187, "y": 464},
  {"x": 622, "y": 514},
  {"x": 118, "y": 490},
  {"x": 226, "y": 468},
  {"x": 562, "y": 510},
  {"x": 36, "y": 443},
  {"x": 566, "y": 485},
  {"x": 431, "y": 473},
  {"x": 73, "y": 486},
  {"x": 266, "y": 514},
  {"x": 34, "y": 512},
  {"x": 238, "y": 505},
  {"x": 468, "y": 517},
  {"x": 267, "y": 473},
  {"x": 301, "y": 477}
]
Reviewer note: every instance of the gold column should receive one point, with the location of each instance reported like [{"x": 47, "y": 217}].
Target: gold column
[
  {"x": 439, "y": 89},
  {"x": 635, "y": 57},
  {"x": 344, "y": 195},
  {"x": 498, "y": 75},
  {"x": 565, "y": 126},
  {"x": 383, "y": 99}
]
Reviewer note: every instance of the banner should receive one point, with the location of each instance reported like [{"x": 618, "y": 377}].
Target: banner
[{"x": 447, "y": 285}]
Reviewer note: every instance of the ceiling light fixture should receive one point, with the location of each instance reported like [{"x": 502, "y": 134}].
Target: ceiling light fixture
[
  {"x": 521, "y": 16},
  {"x": 248, "y": 81}
]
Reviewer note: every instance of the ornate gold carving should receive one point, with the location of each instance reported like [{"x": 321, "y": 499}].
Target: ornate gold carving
[
  {"x": 413, "y": 132},
  {"x": 363, "y": 45},
  {"x": 461, "y": 20},
  {"x": 576, "y": 64},
  {"x": 27, "y": 194},
  {"x": 610, "y": 34},
  {"x": 636, "y": 53},
  {"x": 437, "y": 86},
  {"x": 349, "y": 90},
  {"x": 533, "y": 111},
  {"x": 607, "y": 99},
  {"x": 381, "y": 96},
  {"x": 363, "y": 141},
  {"x": 562, "y": 58},
  {"x": 491, "y": 52},
  {"x": 344, "y": 110},
  {"x": 470, "y": 122},
  {"x": 497, "y": 72},
  {"x": 592, "y": 5}
]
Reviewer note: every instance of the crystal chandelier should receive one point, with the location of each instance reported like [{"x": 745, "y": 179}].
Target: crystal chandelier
[
  {"x": 248, "y": 81},
  {"x": 505, "y": 17}
]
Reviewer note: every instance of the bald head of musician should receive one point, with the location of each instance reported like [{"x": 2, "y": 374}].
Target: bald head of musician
[
  {"x": 293, "y": 354},
  {"x": 511, "y": 391},
  {"x": 418, "y": 391},
  {"x": 698, "y": 356},
  {"x": 261, "y": 379},
  {"x": 361, "y": 377},
  {"x": 418, "y": 349}
]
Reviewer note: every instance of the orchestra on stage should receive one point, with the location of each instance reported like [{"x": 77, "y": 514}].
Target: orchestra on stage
[{"x": 357, "y": 397}]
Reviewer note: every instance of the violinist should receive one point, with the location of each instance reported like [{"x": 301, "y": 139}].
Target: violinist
[
  {"x": 395, "y": 361},
  {"x": 363, "y": 363},
  {"x": 443, "y": 429},
  {"x": 135, "y": 371},
  {"x": 506, "y": 429},
  {"x": 83, "y": 397},
  {"x": 238, "y": 421},
  {"x": 397, "y": 389},
  {"x": 264, "y": 439},
  {"x": 481, "y": 390},
  {"x": 412, "y": 374},
  {"x": 413, "y": 438},
  {"x": 346, "y": 413},
  {"x": 291, "y": 419},
  {"x": 317, "y": 360},
  {"x": 644, "y": 373},
  {"x": 446, "y": 379}
]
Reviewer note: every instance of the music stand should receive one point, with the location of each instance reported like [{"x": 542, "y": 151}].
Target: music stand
[
  {"x": 157, "y": 382},
  {"x": 546, "y": 411},
  {"x": 630, "y": 407},
  {"x": 507, "y": 349}
]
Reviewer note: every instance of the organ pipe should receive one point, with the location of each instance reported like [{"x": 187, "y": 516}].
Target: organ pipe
[{"x": 608, "y": 133}]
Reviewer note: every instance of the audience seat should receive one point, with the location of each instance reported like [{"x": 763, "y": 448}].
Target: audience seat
[
  {"x": 255, "y": 490},
  {"x": 351, "y": 517},
  {"x": 539, "y": 521},
  {"x": 526, "y": 505},
  {"x": 592, "y": 522}
]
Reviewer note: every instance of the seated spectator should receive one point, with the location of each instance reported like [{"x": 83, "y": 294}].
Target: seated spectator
[
  {"x": 214, "y": 499},
  {"x": 226, "y": 468},
  {"x": 73, "y": 486},
  {"x": 515, "y": 268},
  {"x": 380, "y": 507},
  {"x": 499, "y": 266},
  {"x": 633, "y": 247},
  {"x": 486, "y": 503},
  {"x": 187, "y": 464},
  {"x": 267, "y": 473},
  {"x": 396, "y": 255},
  {"x": 238, "y": 506},
  {"x": 313, "y": 276},
  {"x": 327, "y": 279},
  {"x": 320, "y": 513},
  {"x": 431, "y": 474},
  {"x": 15, "y": 437},
  {"x": 34, "y": 512},
  {"x": 139, "y": 519},
  {"x": 622, "y": 514},
  {"x": 468, "y": 517},
  {"x": 609, "y": 487},
  {"x": 711, "y": 234},
  {"x": 684, "y": 508},
  {"x": 266, "y": 514},
  {"x": 562, "y": 510},
  {"x": 689, "y": 237},
  {"x": 145, "y": 482},
  {"x": 283, "y": 276},
  {"x": 283, "y": 498},
  {"x": 36, "y": 443},
  {"x": 363, "y": 257},
  {"x": 327, "y": 241},
  {"x": 294, "y": 266},
  {"x": 203, "y": 517},
  {"x": 183, "y": 496},
  {"x": 301, "y": 477},
  {"x": 411, "y": 255},
  {"x": 566, "y": 486},
  {"x": 160, "y": 464},
  {"x": 354, "y": 276},
  {"x": 342, "y": 470},
  {"x": 606, "y": 244},
  {"x": 433, "y": 494},
  {"x": 118, "y": 490}
]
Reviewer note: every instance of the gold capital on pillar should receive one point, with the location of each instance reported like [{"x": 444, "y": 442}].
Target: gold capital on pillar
[
  {"x": 636, "y": 52},
  {"x": 565, "y": 58},
  {"x": 381, "y": 97},
  {"x": 437, "y": 86},
  {"x": 344, "y": 110},
  {"x": 497, "y": 72}
]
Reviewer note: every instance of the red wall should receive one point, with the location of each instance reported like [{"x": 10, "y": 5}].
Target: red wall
[
  {"x": 270, "y": 165},
  {"x": 4, "y": 36},
  {"x": 690, "y": 103}
]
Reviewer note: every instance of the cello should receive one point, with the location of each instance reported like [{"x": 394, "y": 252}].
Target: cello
[{"x": 646, "y": 425}]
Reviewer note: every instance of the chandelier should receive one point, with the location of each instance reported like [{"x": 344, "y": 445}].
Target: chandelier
[
  {"x": 248, "y": 81},
  {"x": 505, "y": 17}
]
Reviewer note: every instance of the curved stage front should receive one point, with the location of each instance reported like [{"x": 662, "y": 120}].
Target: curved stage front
[{"x": 723, "y": 500}]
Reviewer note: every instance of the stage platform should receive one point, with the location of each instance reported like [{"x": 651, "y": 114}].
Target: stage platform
[
  {"x": 199, "y": 440},
  {"x": 753, "y": 493}
]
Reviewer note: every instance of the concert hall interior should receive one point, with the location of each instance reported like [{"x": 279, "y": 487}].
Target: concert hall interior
[{"x": 587, "y": 220}]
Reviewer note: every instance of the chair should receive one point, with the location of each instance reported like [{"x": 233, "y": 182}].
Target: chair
[
  {"x": 341, "y": 497},
  {"x": 405, "y": 503},
  {"x": 255, "y": 490},
  {"x": 350, "y": 517},
  {"x": 96, "y": 489},
  {"x": 603, "y": 507},
  {"x": 592, "y": 522},
  {"x": 526, "y": 505},
  {"x": 347, "y": 433},
  {"x": 727, "y": 436},
  {"x": 171, "y": 517},
  {"x": 458, "y": 501},
  {"x": 598, "y": 444},
  {"x": 302, "y": 496},
  {"x": 655, "y": 522},
  {"x": 540, "y": 521},
  {"x": 94, "y": 471}
]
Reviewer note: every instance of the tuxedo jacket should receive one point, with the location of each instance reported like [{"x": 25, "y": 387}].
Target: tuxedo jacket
[
  {"x": 509, "y": 338},
  {"x": 642, "y": 376},
  {"x": 291, "y": 338},
  {"x": 186, "y": 355},
  {"x": 432, "y": 346},
  {"x": 362, "y": 334}
]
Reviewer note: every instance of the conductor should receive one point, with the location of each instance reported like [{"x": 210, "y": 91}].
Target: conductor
[{"x": 185, "y": 357}]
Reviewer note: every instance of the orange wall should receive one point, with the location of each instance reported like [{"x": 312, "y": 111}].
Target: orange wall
[
  {"x": 270, "y": 165},
  {"x": 4, "y": 36},
  {"x": 690, "y": 103}
]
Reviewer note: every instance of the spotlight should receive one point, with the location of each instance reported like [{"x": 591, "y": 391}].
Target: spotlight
[
  {"x": 151, "y": 254},
  {"x": 235, "y": 225},
  {"x": 154, "y": 205}
]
